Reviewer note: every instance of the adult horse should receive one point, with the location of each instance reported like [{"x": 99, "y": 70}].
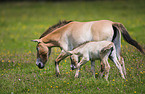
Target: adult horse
[{"x": 72, "y": 34}]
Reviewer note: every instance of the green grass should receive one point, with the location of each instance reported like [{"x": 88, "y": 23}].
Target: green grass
[{"x": 22, "y": 22}]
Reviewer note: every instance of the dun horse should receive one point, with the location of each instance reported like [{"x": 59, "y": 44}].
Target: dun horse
[
  {"x": 70, "y": 34},
  {"x": 96, "y": 51}
]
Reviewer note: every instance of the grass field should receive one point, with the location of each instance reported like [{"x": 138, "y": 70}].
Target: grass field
[{"x": 22, "y": 22}]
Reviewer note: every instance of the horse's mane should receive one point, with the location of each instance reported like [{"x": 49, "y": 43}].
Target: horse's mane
[{"x": 52, "y": 28}]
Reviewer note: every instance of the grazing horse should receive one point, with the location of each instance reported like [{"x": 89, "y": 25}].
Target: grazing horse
[
  {"x": 70, "y": 35},
  {"x": 96, "y": 51}
]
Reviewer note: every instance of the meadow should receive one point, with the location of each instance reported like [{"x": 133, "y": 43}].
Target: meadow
[{"x": 21, "y": 22}]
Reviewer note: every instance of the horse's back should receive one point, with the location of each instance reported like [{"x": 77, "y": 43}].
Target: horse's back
[
  {"x": 102, "y": 30},
  {"x": 93, "y": 30}
]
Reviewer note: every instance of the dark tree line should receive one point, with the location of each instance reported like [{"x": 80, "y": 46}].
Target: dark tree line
[{"x": 50, "y": 0}]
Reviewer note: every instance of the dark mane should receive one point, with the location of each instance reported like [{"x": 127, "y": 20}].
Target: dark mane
[{"x": 52, "y": 28}]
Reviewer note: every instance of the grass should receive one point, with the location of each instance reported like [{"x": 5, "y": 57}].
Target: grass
[{"x": 22, "y": 22}]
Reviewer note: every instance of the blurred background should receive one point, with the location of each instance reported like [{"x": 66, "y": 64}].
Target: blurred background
[
  {"x": 54, "y": 0},
  {"x": 24, "y": 20}
]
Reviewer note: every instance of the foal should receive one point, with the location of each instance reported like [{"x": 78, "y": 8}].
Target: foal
[{"x": 96, "y": 51}]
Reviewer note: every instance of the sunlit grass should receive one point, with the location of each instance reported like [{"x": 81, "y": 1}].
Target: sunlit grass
[{"x": 22, "y": 22}]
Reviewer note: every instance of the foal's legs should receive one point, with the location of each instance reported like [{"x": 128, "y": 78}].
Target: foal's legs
[
  {"x": 102, "y": 69},
  {"x": 107, "y": 67},
  {"x": 93, "y": 67},
  {"x": 61, "y": 56},
  {"x": 72, "y": 64},
  {"x": 83, "y": 61}
]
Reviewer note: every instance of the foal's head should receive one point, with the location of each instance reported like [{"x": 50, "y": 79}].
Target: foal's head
[{"x": 43, "y": 53}]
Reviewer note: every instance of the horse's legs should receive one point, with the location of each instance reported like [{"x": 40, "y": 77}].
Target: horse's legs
[
  {"x": 93, "y": 67},
  {"x": 107, "y": 67},
  {"x": 117, "y": 43},
  {"x": 83, "y": 61},
  {"x": 102, "y": 69},
  {"x": 121, "y": 59},
  {"x": 61, "y": 56},
  {"x": 118, "y": 65}
]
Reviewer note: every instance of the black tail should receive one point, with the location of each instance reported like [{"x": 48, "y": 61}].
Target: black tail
[{"x": 127, "y": 37}]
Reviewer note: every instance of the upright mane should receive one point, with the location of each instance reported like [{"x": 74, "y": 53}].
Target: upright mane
[{"x": 52, "y": 28}]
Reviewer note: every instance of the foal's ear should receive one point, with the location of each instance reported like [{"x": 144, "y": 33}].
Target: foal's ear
[{"x": 37, "y": 40}]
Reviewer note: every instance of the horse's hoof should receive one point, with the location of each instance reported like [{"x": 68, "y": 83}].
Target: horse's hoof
[
  {"x": 57, "y": 74},
  {"x": 76, "y": 76},
  {"x": 72, "y": 68}
]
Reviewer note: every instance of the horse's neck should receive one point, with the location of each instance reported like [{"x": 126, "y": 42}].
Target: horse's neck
[
  {"x": 56, "y": 38},
  {"x": 52, "y": 39}
]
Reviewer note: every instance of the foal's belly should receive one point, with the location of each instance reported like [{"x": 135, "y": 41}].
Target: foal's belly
[{"x": 94, "y": 56}]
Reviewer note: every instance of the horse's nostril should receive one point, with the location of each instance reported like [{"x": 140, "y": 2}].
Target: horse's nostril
[{"x": 39, "y": 65}]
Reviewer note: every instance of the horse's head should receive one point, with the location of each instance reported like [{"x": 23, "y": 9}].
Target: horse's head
[{"x": 43, "y": 53}]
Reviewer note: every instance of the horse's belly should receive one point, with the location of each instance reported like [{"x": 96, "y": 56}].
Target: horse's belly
[{"x": 82, "y": 34}]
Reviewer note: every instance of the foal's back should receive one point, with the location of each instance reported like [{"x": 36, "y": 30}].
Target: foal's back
[{"x": 92, "y": 49}]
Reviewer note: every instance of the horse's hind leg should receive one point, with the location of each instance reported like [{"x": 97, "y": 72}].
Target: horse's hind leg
[
  {"x": 118, "y": 65},
  {"x": 117, "y": 43},
  {"x": 121, "y": 59}
]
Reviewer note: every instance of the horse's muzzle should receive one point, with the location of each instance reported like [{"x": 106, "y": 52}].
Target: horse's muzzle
[{"x": 39, "y": 66}]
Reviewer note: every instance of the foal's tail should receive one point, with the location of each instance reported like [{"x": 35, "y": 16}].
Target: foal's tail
[
  {"x": 127, "y": 37},
  {"x": 107, "y": 48},
  {"x": 69, "y": 52}
]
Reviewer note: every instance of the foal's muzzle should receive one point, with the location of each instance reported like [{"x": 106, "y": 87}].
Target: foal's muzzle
[{"x": 73, "y": 67}]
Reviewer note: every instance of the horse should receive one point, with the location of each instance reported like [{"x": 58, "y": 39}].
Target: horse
[
  {"x": 73, "y": 33},
  {"x": 93, "y": 50}
]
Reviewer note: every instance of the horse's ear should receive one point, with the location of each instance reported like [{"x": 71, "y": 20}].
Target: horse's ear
[{"x": 37, "y": 40}]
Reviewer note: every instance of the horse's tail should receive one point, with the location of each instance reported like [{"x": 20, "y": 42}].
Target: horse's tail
[{"x": 127, "y": 37}]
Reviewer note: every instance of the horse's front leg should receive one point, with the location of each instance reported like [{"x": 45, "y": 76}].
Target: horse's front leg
[{"x": 61, "y": 56}]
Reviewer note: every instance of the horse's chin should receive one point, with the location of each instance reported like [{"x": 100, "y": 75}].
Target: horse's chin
[{"x": 41, "y": 67}]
